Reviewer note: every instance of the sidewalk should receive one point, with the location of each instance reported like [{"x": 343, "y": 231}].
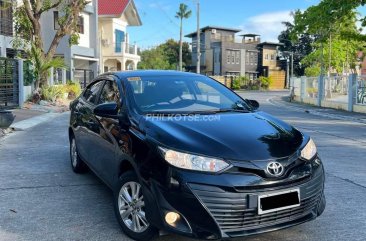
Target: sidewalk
[
  {"x": 32, "y": 115},
  {"x": 320, "y": 111}
]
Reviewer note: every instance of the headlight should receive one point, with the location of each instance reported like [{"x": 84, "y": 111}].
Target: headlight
[
  {"x": 193, "y": 162},
  {"x": 309, "y": 151}
]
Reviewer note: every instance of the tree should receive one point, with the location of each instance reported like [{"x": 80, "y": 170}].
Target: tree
[
  {"x": 300, "y": 48},
  {"x": 337, "y": 38},
  {"x": 165, "y": 56},
  {"x": 183, "y": 13},
  {"x": 29, "y": 29}
]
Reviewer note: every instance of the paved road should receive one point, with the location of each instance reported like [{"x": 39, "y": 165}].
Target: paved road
[{"x": 41, "y": 199}]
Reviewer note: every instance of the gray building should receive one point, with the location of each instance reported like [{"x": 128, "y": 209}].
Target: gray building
[
  {"x": 82, "y": 59},
  {"x": 222, "y": 54}
]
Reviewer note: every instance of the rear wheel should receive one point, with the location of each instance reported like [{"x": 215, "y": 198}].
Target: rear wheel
[
  {"x": 129, "y": 208},
  {"x": 78, "y": 166}
]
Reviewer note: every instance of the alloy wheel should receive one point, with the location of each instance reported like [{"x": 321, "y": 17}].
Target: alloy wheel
[{"x": 131, "y": 207}]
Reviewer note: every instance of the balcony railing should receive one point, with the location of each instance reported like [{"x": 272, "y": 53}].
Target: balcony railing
[{"x": 125, "y": 48}]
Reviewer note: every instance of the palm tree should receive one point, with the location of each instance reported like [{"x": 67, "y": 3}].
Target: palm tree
[{"x": 183, "y": 12}]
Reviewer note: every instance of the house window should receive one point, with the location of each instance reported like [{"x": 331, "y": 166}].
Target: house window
[
  {"x": 56, "y": 26},
  {"x": 237, "y": 56},
  {"x": 120, "y": 38},
  {"x": 247, "y": 59},
  {"x": 266, "y": 56},
  {"x": 228, "y": 56},
  {"x": 6, "y": 18},
  {"x": 272, "y": 56},
  {"x": 80, "y": 25},
  {"x": 233, "y": 57}
]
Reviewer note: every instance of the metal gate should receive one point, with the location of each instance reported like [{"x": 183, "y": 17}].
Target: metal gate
[
  {"x": 84, "y": 76},
  {"x": 9, "y": 83}
]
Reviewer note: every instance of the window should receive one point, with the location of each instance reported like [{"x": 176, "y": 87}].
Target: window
[
  {"x": 247, "y": 58},
  {"x": 228, "y": 56},
  {"x": 272, "y": 56},
  {"x": 109, "y": 93},
  {"x": 233, "y": 57},
  {"x": 120, "y": 38},
  {"x": 80, "y": 24},
  {"x": 237, "y": 56},
  {"x": 266, "y": 56},
  {"x": 6, "y": 18},
  {"x": 56, "y": 26},
  {"x": 92, "y": 91}
]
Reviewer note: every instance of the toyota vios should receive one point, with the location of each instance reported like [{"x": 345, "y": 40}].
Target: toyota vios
[{"x": 184, "y": 154}]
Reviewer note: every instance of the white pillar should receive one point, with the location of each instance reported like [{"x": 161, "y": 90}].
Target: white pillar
[
  {"x": 50, "y": 78},
  {"x": 352, "y": 80},
  {"x": 63, "y": 76},
  {"x": 303, "y": 88},
  {"x": 20, "y": 83}
]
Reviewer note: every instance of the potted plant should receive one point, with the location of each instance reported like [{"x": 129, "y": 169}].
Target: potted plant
[{"x": 6, "y": 118}]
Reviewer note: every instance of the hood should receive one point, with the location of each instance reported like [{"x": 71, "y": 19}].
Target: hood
[{"x": 232, "y": 136}]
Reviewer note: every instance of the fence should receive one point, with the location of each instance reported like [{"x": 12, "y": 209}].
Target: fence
[
  {"x": 347, "y": 92},
  {"x": 9, "y": 83}
]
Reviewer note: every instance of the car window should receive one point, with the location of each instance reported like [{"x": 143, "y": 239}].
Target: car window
[
  {"x": 109, "y": 93},
  {"x": 91, "y": 93},
  {"x": 181, "y": 94}
]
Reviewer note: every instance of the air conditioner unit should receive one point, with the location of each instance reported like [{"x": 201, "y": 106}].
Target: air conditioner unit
[
  {"x": 105, "y": 42},
  {"x": 213, "y": 31}
]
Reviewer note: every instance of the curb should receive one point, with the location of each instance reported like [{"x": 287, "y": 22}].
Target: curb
[
  {"x": 314, "y": 111},
  {"x": 31, "y": 122}
]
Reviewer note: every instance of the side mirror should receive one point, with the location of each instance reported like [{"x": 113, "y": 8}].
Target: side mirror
[
  {"x": 254, "y": 104},
  {"x": 109, "y": 110}
]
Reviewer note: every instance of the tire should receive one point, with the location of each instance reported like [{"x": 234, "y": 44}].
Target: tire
[
  {"x": 78, "y": 166},
  {"x": 130, "y": 209}
]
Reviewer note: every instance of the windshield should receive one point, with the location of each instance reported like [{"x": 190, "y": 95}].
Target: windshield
[{"x": 182, "y": 94}]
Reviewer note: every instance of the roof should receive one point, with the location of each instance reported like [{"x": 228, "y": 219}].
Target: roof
[
  {"x": 250, "y": 35},
  {"x": 112, "y": 7},
  {"x": 270, "y": 43},
  {"x": 234, "y": 30}
]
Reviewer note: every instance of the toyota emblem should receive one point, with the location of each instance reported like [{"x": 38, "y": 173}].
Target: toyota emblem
[{"x": 275, "y": 169}]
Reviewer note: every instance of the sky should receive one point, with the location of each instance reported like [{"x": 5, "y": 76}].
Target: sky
[{"x": 262, "y": 17}]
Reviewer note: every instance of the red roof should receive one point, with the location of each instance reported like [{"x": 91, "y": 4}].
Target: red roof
[{"x": 112, "y": 7}]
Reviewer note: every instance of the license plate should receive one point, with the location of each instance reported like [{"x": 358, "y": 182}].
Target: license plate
[{"x": 277, "y": 201}]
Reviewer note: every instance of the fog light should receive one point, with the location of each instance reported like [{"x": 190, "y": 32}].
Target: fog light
[{"x": 171, "y": 218}]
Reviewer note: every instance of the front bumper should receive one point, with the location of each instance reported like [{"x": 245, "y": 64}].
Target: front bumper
[{"x": 229, "y": 210}]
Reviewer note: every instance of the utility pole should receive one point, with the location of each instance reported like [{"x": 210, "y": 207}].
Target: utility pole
[
  {"x": 292, "y": 64},
  {"x": 198, "y": 39}
]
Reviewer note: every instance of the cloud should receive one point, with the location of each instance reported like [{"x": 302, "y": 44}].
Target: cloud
[{"x": 268, "y": 25}]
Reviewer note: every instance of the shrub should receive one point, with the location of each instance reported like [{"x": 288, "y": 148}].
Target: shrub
[
  {"x": 236, "y": 83},
  {"x": 51, "y": 93},
  {"x": 265, "y": 82},
  {"x": 73, "y": 88}
]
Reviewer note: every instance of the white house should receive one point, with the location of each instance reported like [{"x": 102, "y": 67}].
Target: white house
[
  {"x": 117, "y": 53},
  {"x": 82, "y": 59}
]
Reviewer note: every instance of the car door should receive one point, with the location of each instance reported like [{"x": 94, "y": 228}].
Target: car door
[
  {"x": 108, "y": 135},
  {"x": 87, "y": 122}
]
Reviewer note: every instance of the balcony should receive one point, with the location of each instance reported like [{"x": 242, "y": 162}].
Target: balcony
[{"x": 125, "y": 50}]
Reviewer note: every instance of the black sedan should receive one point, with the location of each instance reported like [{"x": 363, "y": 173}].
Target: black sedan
[{"x": 184, "y": 154}]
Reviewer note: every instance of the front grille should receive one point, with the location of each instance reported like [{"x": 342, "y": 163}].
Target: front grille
[{"x": 234, "y": 213}]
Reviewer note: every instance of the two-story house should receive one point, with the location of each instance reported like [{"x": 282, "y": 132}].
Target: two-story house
[
  {"x": 116, "y": 51},
  {"x": 82, "y": 59},
  {"x": 222, "y": 53}
]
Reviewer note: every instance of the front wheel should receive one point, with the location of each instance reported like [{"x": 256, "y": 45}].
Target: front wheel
[{"x": 129, "y": 208}]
